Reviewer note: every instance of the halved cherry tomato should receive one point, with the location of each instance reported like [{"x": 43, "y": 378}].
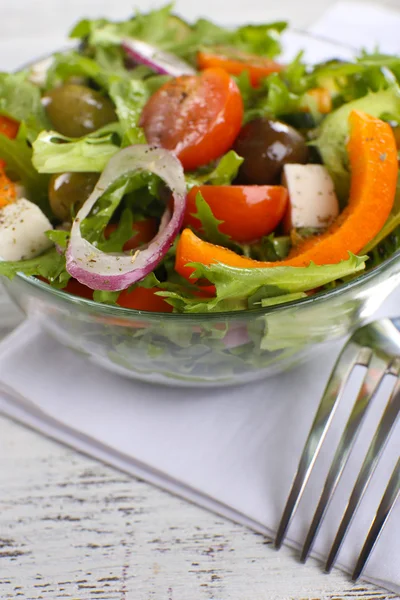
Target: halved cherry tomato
[
  {"x": 144, "y": 299},
  {"x": 195, "y": 116},
  {"x": 236, "y": 62},
  {"x": 144, "y": 230},
  {"x": 248, "y": 212},
  {"x": 138, "y": 299}
]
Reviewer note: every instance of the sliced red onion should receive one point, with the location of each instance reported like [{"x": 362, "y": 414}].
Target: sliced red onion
[
  {"x": 159, "y": 61},
  {"x": 111, "y": 271}
]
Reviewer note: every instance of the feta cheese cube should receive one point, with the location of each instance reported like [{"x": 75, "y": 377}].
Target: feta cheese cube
[
  {"x": 22, "y": 231},
  {"x": 312, "y": 198}
]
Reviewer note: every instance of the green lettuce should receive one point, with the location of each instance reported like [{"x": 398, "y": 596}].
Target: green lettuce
[
  {"x": 74, "y": 64},
  {"x": 224, "y": 173},
  {"x": 239, "y": 289},
  {"x": 56, "y": 153},
  {"x": 129, "y": 97},
  {"x": 21, "y": 100},
  {"x": 50, "y": 265},
  {"x": 163, "y": 29}
]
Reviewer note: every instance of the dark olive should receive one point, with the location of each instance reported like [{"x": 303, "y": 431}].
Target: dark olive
[
  {"x": 67, "y": 190},
  {"x": 76, "y": 110},
  {"x": 266, "y": 147}
]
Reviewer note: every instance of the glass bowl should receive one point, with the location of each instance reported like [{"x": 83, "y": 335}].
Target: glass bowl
[
  {"x": 200, "y": 350},
  {"x": 215, "y": 349}
]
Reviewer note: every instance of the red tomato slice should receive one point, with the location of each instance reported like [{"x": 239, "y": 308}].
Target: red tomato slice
[
  {"x": 144, "y": 232},
  {"x": 236, "y": 62},
  {"x": 248, "y": 212},
  {"x": 197, "y": 117},
  {"x": 139, "y": 299},
  {"x": 144, "y": 299}
]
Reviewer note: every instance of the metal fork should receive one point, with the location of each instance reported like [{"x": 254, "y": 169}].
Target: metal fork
[{"x": 377, "y": 347}]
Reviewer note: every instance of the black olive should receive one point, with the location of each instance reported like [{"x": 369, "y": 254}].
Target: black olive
[{"x": 266, "y": 147}]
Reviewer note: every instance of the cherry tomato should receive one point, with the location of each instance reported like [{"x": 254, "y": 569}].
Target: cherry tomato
[
  {"x": 144, "y": 299},
  {"x": 144, "y": 231},
  {"x": 236, "y": 62},
  {"x": 195, "y": 116},
  {"x": 248, "y": 212},
  {"x": 76, "y": 288},
  {"x": 138, "y": 299}
]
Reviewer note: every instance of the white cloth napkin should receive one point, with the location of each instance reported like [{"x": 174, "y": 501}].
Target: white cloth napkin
[{"x": 233, "y": 450}]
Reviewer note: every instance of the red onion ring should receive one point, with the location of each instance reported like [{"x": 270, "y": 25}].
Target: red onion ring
[
  {"x": 113, "y": 272},
  {"x": 159, "y": 61}
]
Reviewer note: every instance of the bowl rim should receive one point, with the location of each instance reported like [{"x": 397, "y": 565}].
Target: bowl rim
[{"x": 130, "y": 313}]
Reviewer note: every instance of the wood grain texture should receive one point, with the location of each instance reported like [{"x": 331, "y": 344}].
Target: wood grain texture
[{"x": 73, "y": 528}]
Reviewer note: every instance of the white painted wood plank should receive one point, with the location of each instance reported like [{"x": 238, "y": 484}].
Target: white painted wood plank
[{"x": 73, "y": 528}]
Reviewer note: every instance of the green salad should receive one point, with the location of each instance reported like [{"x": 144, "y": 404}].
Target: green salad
[{"x": 183, "y": 167}]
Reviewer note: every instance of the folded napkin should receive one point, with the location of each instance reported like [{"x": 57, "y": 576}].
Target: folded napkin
[{"x": 231, "y": 450}]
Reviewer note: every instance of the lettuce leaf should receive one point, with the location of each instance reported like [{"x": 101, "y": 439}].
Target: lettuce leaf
[
  {"x": 56, "y": 153},
  {"x": 20, "y": 100},
  {"x": 129, "y": 97},
  {"x": 50, "y": 265},
  {"x": 163, "y": 29},
  {"x": 74, "y": 64},
  {"x": 275, "y": 99},
  {"x": 223, "y": 173},
  {"x": 238, "y": 289}
]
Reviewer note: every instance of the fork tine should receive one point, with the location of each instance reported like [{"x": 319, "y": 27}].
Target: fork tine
[
  {"x": 348, "y": 358},
  {"x": 373, "y": 377},
  {"x": 370, "y": 463},
  {"x": 388, "y": 501}
]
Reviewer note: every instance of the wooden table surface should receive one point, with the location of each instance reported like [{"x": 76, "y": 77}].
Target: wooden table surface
[{"x": 73, "y": 528}]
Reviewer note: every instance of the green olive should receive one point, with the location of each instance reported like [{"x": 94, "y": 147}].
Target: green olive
[
  {"x": 76, "y": 110},
  {"x": 70, "y": 190}
]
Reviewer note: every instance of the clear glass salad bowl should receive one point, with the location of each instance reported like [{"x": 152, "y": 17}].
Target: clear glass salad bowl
[
  {"x": 205, "y": 350},
  {"x": 210, "y": 349}
]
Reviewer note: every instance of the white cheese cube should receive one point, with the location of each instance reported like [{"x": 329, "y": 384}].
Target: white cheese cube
[
  {"x": 312, "y": 198},
  {"x": 22, "y": 231}
]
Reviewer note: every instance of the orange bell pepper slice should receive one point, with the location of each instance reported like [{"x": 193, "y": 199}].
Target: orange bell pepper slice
[
  {"x": 8, "y": 193},
  {"x": 374, "y": 170}
]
